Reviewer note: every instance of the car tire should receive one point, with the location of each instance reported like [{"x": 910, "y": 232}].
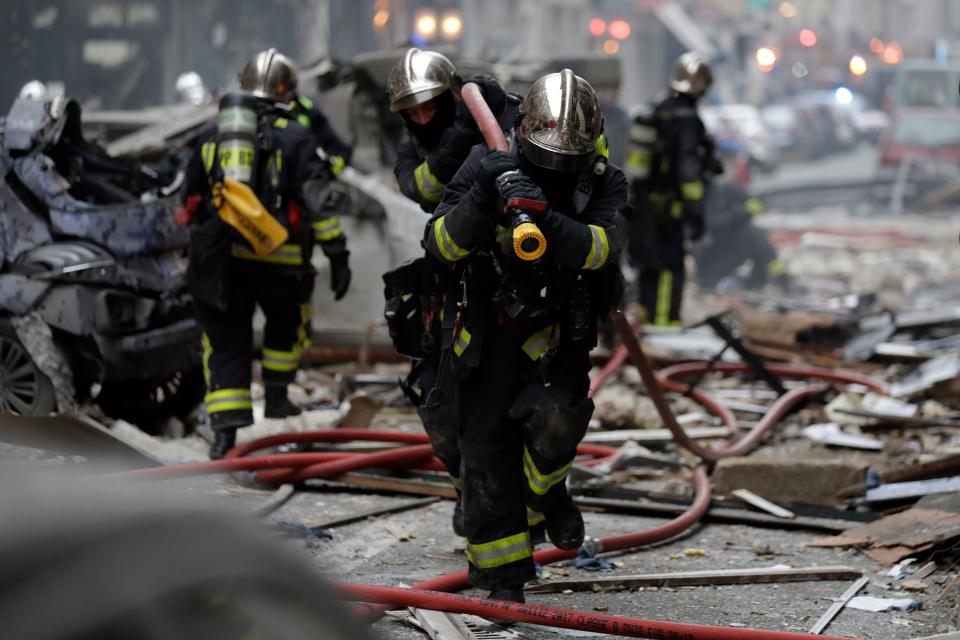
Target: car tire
[
  {"x": 150, "y": 403},
  {"x": 24, "y": 389}
]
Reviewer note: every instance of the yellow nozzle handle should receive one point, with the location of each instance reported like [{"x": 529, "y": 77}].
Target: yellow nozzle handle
[{"x": 528, "y": 242}]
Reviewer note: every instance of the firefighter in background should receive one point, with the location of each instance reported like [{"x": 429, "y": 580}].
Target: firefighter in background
[
  {"x": 519, "y": 331},
  {"x": 424, "y": 89},
  {"x": 273, "y": 76},
  {"x": 255, "y": 252},
  {"x": 733, "y": 243},
  {"x": 669, "y": 164}
]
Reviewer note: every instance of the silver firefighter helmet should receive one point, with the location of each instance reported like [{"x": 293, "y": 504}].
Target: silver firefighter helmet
[
  {"x": 418, "y": 77},
  {"x": 692, "y": 74},
  {"x": 560, "y": 123},
  {"x": 270, "y": 75},
  {"x": 34, "y": 90}
]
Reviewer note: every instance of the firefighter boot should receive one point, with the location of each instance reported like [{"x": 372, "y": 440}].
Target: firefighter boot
[
  {"x": 459, "y": 524},
  {"x": 508, "y": 595},
  {"x": 565, "y": 525},
  {"x": 223, "y": 441},
  {"x": 278, "y": 405}
]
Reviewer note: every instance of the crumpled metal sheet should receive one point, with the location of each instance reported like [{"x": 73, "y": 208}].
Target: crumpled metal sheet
[
  {"x": 19, "y": 293},
  {"x": 37, "y": 339}
]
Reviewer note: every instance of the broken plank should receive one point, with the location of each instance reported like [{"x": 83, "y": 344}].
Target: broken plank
[
  {"x": 702, "y": 578},
  {"x": 719, "y": 514},
  {"x": 837, "y": 606},
  {"x": 914, "y": 489},
  {"x": 619, "y": 436},
  {"x": 399, "y": 485},
  {"x": 380, "y": 511},
  {"x": 763, "y": 504}
]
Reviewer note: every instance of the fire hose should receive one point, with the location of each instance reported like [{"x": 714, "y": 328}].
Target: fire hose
[{"x": 288, "y": 467}]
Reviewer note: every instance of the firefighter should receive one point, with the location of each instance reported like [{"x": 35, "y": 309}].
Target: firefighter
[
  {"x": 669, "y": 164},
  {"x": 519, "y": 331},
  {"x": 424, "y": 89},
  {"x": 273, "y": 74},
  {"x": 274, "y": 161}
]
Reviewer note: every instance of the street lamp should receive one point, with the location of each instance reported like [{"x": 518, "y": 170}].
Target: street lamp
[
  {"x": 858, "y": 66},
  {"x": 766, "y": 59},
  {"x": 451, "y": 25},
  {"x": 426, "y": 25}
]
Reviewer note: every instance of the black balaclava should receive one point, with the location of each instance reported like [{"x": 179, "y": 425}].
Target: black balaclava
[
  {"x": 557, "y": 186},
  {"x": 428, "y": 135}
]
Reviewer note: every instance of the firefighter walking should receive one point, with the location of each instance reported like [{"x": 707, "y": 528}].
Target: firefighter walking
[
  {"x": 254, "y": 186},
  {"x": 424, "y": 90},
  {"x": 519, "y": 330},
  {"x": 669, "y": 163}
]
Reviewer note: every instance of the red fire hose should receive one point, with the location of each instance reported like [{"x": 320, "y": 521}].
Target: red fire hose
[
  {"x": 489, "y": 127},
  {"x": 564, "y": 618},
  {"x": 300, "y": 466}
]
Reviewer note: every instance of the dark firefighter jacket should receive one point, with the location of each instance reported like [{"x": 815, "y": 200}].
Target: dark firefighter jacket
[
  {"x": 309, "y": 116},
  {"x": 584, "y": 242},
  {"x": 422, "y": 173},
  {"x": 291, "y": 183},
  {"x": 669, "y": 156}
]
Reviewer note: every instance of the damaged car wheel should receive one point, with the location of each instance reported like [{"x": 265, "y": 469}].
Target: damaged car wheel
[
  {"x": 150, "y": 403},
  {"x": 24, "y": 389}
]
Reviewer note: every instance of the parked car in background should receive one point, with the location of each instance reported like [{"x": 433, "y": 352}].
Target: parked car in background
[
  {"x": 744, "y": 123},
  {"x": 855, "y": 119},
  {"x": 929, "y": 137}
]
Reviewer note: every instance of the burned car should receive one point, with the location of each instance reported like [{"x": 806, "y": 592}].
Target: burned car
[{"x": 93, "y": 303}]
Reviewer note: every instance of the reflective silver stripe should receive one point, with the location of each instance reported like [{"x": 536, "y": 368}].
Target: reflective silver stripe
[
  {"x": 540, "y": 483},
  {"x": 537, "y": 345},
  {"x": 599, "y": 250},
  {"x": 500, "y": 552}
]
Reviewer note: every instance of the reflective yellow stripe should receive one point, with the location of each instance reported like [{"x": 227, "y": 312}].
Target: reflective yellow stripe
[
  {"x": 754, "y": 206},
  {"x": 449, "y": 249},
  {"x": 537, "y": 345},
  {"x": 280, "y": 123},
  {"x": 207, "y": 352},
  {"x": 776, "y": 268},
  {"x": 430, "y": 188},
  {"x": 337, "y": 163},
  {"x": 676, "y": 209},
  {"x": 228, "y": 400},
  {"x": 664, "y": 294},
  {"x": 275, "y": 360},
  {"x": 206, "y": 153},
  {"x": 306, "y": 314},
  {"x": 327, "y": 229},
  {"x": 288, "y": 254},
  {"x": 304, "y": 120},
  {"x": 599, "y": 249},
  {"x": 500, "y": 552},
  {"x": 305, "y": 101},
  {"x": 534, "y": 517},
  {"x": 692, "y": 190},
  {"x": 601, "y": 147},
  {"x": 457, "y": 482},
  {"x": 540, "y": 483},
  {"x": 462, "y": 342},
  {"x": 642, "y": 133}
]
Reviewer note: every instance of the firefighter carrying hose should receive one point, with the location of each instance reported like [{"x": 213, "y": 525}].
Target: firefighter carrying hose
[
  {"x": 518, "y": 331},
  {"x": 424, "y": 89},
  {"x": 669, "y": 164},
  {"x": 254, "y": 189}
]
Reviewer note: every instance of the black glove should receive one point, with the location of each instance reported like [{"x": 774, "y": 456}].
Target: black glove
[
  {"x": 514, "y": 184},
  {"x": 493, "y": 165},
  {"x": 340, "y": 275},
  {"x": 493, "y": 93}
]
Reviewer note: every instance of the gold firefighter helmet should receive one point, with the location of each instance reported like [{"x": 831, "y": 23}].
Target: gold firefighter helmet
[
  {"x": 418, "y": 77},
  {"x": 270, "y": 75},
  {"x": 561, "y": 123},
  {"x": 692, "y": 74}
]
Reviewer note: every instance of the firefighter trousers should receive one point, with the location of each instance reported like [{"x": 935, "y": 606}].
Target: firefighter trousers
[
  {"x": 439, "y": 410},
  {"x": 228, "y": 337},
  {"x": 518, "y": 439},
  {"x": 660, "y": 260}
]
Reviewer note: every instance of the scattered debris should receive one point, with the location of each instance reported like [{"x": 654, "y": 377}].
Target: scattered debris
[
  {"x": 789, "y": 481},
  {"x": 877, "y": 605},
  {"x": 831, "y": 434},
  {"x": 761, "y": 503},
  {"x": 838, "y": 605},
  {"x": 700, "y": 578}
]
